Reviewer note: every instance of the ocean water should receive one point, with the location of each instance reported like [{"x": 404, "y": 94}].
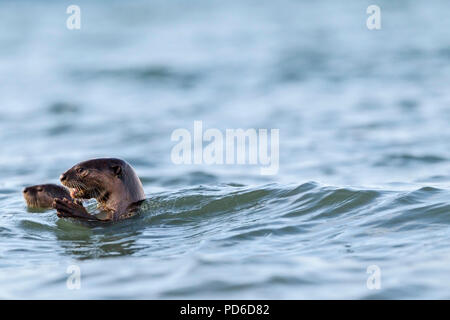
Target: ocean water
[{"x": 364, "y": 174}]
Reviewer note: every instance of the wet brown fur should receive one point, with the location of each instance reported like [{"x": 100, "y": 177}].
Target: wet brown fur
[
  {"x": 112, "y": 182},
  {"x": 42, "y": 196}
]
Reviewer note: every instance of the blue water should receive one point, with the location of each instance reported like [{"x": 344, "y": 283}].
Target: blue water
[{"x": 364, "y": 175}]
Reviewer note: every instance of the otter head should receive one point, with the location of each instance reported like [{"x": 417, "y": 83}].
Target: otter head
[
  {"x": 105, "y": 180},
  {"x": 42, "y": 196}
]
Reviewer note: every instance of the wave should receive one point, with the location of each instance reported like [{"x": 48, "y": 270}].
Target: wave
[
  {"x": 304, "y": 218},
  {"x": 295, "y": 234},
  {"x": 273, "y": 207}
]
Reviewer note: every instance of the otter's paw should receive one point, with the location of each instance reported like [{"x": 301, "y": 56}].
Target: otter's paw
[{"x": 69, "y": 209}]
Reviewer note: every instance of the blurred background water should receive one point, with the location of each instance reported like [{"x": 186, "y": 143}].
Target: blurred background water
[{"x": 364, "y": 147}]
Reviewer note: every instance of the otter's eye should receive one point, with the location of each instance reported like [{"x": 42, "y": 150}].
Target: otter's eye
[
  {"x": 38, "y": 189},
  {"x": 80, "y": 170}
]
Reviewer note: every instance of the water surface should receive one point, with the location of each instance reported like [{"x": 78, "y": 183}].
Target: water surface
[{"x": 364, "y": 147}]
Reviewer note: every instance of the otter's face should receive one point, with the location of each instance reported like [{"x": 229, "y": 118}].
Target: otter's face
[
  {"x": 42, "y": 196},
  {"x": 91, "y": 179}
]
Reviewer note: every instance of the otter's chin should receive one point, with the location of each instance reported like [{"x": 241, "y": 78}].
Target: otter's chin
[
  {"x": 80, "y": 194},
  {"x": 76, "y": 193},
  {"x": 31, "y": 202}
]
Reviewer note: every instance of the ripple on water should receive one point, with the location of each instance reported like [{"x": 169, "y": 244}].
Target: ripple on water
[{"x": 241, "y": 221}]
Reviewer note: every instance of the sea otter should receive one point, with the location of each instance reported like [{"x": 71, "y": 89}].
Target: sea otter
[
  {"x": 112, "y": 182},
  {"x": 42, "y": 196}
]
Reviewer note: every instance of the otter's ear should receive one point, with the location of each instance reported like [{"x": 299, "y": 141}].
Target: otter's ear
[{"x": 117, "y": 170}]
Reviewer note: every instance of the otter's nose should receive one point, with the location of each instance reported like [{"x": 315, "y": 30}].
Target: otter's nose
[
  {"x": 26, "y": 190},
  {"x": 63, "y": 177}
]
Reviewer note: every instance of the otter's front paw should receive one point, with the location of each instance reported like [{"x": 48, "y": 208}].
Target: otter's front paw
[{"x": 69, "y": 209}]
